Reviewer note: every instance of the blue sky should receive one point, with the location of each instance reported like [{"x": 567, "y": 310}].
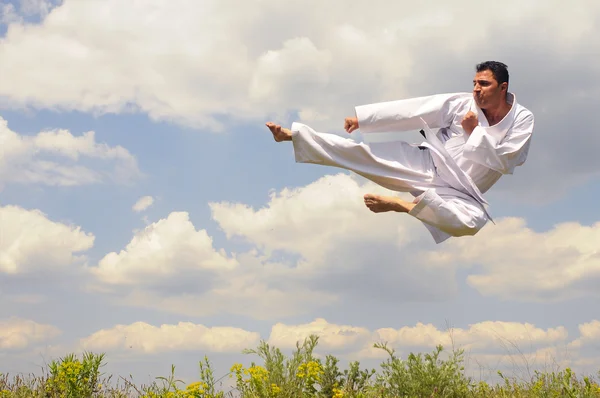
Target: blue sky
[{"x": 198, "y": 140}]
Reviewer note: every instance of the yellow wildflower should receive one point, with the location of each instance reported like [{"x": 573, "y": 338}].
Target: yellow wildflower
[
  {"x": 258, "y": 373},
  {"x": 236, "y": 368},
  {"x": 337, "y": 393},
  {"x": 310, "y": 370},
  {"x": 196, "y": 389},
  {"x": 275, "y": 388}
]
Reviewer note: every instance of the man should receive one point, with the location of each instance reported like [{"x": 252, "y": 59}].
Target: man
[{"x": 481, "y": 136}]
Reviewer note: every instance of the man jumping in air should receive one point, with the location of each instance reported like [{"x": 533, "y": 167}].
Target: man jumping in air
[{"x": 480, "y": 136}]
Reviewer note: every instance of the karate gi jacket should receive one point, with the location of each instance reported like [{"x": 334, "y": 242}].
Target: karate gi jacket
[{"x": 469, "y": 164}]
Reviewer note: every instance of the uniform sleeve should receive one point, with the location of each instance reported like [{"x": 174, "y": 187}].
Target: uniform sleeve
[
  {"x": 438, "y": 111},
  {"x": 505, "y": 155}
]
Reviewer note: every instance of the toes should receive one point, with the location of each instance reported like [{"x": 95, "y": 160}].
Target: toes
[
  {"x": 272, "y": 126},
  {"x": 275, "y": 130}
]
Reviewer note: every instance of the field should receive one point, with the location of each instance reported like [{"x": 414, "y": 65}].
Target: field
[{"x": 435, "y": 374}]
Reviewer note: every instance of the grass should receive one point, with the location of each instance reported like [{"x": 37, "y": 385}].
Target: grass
[{"x": 300, "y": 375}]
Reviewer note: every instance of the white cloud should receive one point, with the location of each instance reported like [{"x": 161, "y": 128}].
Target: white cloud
[
  {"x": 312, "y": 251},
  {"x": 309, "y": 63},
  {"x": 485, "y": 338},
  {"x": 143, "y": 203},
  {"x": 170, "y": 266},
  {"x": 169, "y": 248},
  {"x": 479, "y": 336},
  {"x": 331, "y": 336},
  {"x": 19, "y": 334},
  {"x": 309, "y": 58},
  {"x": 489, "y": 345},
  {"x": 31, "y": 159},
  {"x": 589, "y": 334},
  {"x": 317, "y": 246},
  {"x": 29, "y": 242},
  {"x": 184, "y": 336},
  {"x": 558, "y": 264},
  {"x": 313, "y": 220}
]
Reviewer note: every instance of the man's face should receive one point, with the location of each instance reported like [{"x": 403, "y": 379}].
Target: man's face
[{"x": 486, "y": 90}]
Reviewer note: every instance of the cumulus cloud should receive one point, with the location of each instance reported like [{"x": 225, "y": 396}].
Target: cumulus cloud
[
  {"x": 558, "y": 264},
  {"x": 486, "y": 337},
  {"x": 184, "y": 336},
  {"x": 316, "y": 65},
  {"x": 173, "y": 267},
  {"x": 169, "y": 248},
  {"x": 331, "y": 336},
  {"x": 58, "y": 158},
  {"x": 18, "y": 334},
  {"x": 308, "y": 61},
  {"x": 311, "y": 220},
  {"x": 589, "y": 334},
  {"x": 477, "y": 337},
  {"x": 313, "y": 246},
  {"x": 30, "y": 241},
  {"x": 318, "y": 247},
  {"x": 143, "y": 203},
  {"x": 489, "y": 345}
]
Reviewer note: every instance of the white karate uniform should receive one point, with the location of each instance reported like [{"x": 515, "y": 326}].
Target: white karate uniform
[{"x": 447, "y": 173}]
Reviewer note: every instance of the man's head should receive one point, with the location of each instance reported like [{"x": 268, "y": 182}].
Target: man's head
[{"x": 490, "y": 85}]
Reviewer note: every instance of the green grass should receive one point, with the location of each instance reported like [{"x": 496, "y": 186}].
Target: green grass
[{"x": 300, "y": 375}]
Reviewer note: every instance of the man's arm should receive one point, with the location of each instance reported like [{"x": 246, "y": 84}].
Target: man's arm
[
  {"x": 404, "y": 115},
  {"x": 502, "y": 156}
]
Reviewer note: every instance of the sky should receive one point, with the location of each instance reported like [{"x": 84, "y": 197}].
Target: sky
[{"x": 147, "y": 213}]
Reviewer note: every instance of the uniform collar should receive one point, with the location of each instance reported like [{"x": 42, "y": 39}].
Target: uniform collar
[{"x": 500, "y": 129}]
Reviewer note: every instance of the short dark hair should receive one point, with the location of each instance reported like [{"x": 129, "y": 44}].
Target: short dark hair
[{"x": 498, "y": 69}]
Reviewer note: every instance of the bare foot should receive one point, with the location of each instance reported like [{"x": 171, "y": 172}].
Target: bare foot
[
  {"x": 380, "y": 204},
  {"x": 279, "y": 134}
]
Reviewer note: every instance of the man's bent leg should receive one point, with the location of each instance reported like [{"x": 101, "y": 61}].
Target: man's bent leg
[
  {"x": 448, "y": 212},
  {"x": 380, "y": 204}
]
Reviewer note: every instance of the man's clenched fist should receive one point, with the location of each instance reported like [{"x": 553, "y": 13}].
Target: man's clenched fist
[
  {"x": 350, "y": 124},
  {"x": 469, "y": 122}
]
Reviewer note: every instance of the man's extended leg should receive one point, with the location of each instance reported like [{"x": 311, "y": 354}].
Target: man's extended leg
[{"x": 397, "y": 165}]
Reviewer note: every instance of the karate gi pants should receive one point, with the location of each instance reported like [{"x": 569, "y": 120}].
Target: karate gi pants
[{"x": 397, "y": 166}]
